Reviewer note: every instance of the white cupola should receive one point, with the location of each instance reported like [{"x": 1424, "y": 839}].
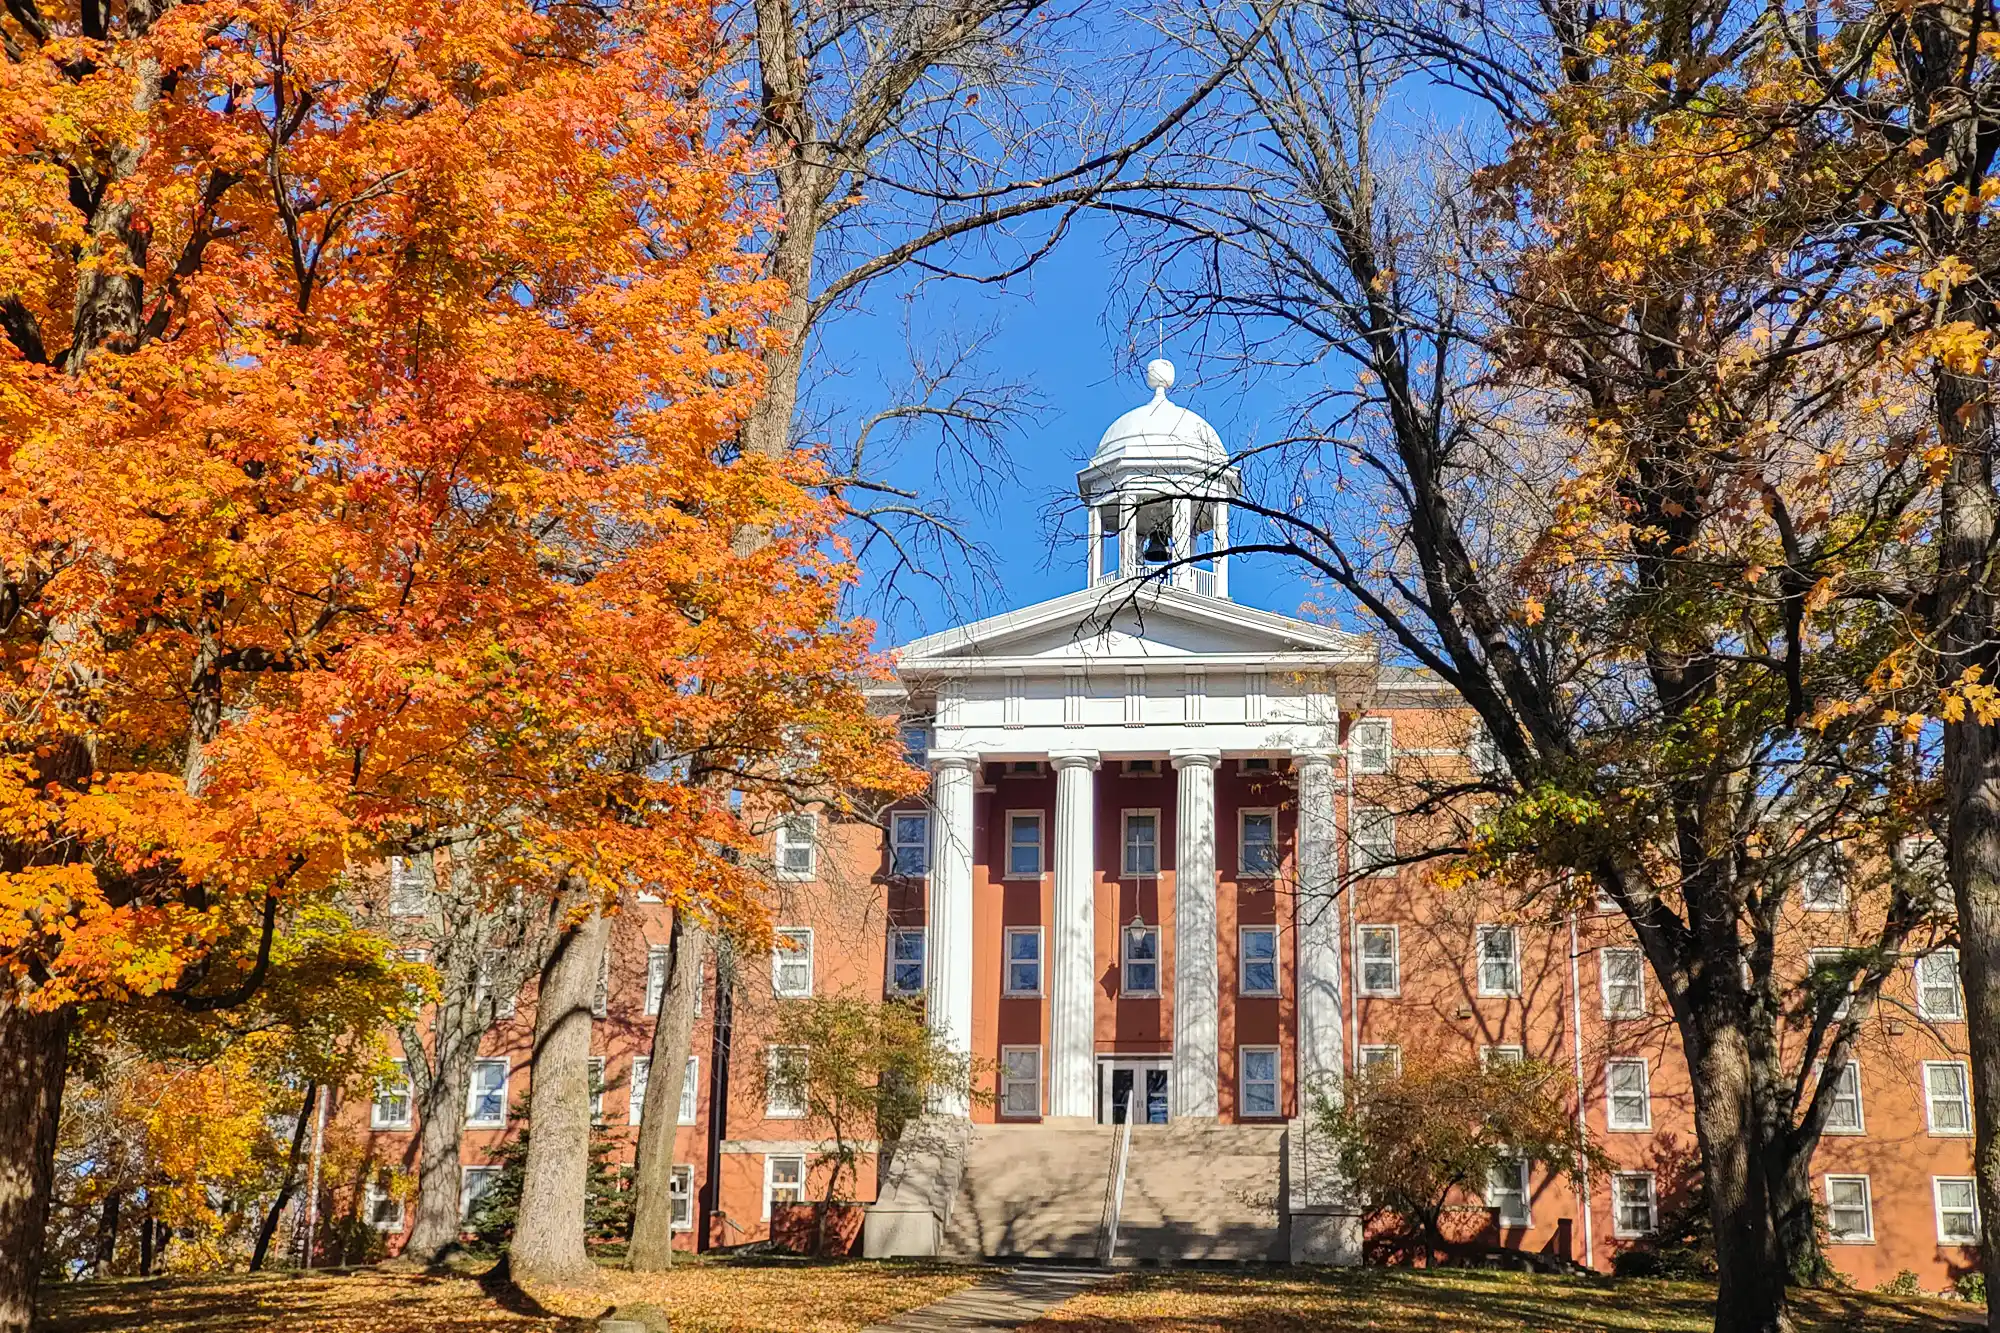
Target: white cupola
[{"x": 1157, "y": 491}]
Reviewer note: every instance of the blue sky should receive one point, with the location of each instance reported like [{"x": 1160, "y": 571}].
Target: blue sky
[{"x": 1049, "y": 330}]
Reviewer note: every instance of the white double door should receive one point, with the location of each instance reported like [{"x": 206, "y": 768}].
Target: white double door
[{"x": 1133, "y": 1088}]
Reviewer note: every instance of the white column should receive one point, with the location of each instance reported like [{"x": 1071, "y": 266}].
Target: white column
[
  {"x": 1128, "y": 537},
  {"x": 1093, "y": 528},
  {"x": 1073, "y": 940},
  {"x": 1221, "y": 544},
  {"x": 1320, "y": 1037},
  {"x": 1183, "y": 540},
  {"x": 948, "y": 938},
  {"x": 1197, "y": 990}
]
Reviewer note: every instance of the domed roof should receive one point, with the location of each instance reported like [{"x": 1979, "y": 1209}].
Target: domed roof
[{"x": 1160, "y": 431}]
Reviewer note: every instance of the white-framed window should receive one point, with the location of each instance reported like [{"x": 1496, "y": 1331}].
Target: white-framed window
[
  {"x": 596, "y": 1089},
  {"x": 409, "y": 886},
  {"x": 784, "y": 1180},
  {"x": 1257, "y": 1081},
  {"x": 785, "y": 1082},
  {"x": 1372, "y": 838},
  {"x": 491, "y": 964},
  {"x": 1823, "y": 881},
  {"x": 1140, "y": 961},
  {"x": 391, "y": 1109},
  {"x": 1024, "y": 960},
  {"x": 473, "y": 1183},
  {"x": 916, "y": 737},
  {"x": 1481, "y": 752},
  {"x": 1499, "y": 949},
  {"x": 1850, "y": 1219},
  {"x": 1024, "y": 844},
  {"x": 1368, "y": 745},
  {"x": 1389, "y": 1058},
  {"x": 1502, "y": 1055},
  {"x": 906, "y": 961},
  {"x": 1020, "y": 1082},
  {"x": 1257, "y": 843},
  {"x": 1381, "y": 960},
  {"x": 1957, "y": 1200},
  {"x": 642, "y": 1068},
  {"x": 384, "y": 1209},
  {"x": 680, "y": 1192},
  {"x": 659, "y": 959},
  {"x": 486, "y": 1095},
  {"x": 1628, "y": 1095},
  {"x": 690, "y": 1106},
  {"x": 1830, "y": 968},
  {"x": 1634, "y": 1205},
  {"x": 1947, "y": 1097},
  {"x": 1507, "y": 1192},
  {"x": 600, "y": 999},
  {"x": 792, "y": 962},
  {"x": 797, "y": 856},
  {"x": 1623, "y": 974},
  {"x": 1257, "y": 960},
  {"x": 1845, "y": 1115},
  {"x": 1142, "y": 842},
  {"x": 1939, "y": 998},
  {"x": 910, "y": 843}
]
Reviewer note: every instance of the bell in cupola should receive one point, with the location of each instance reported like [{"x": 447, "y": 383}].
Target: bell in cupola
[{"x": 1157, "y": 552}]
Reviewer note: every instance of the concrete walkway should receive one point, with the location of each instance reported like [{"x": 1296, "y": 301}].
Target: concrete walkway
[{"x": 1004, "y": 1300}]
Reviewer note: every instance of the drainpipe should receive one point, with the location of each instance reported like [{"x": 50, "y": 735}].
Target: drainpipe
[{"x": 1576, "y": 1046}]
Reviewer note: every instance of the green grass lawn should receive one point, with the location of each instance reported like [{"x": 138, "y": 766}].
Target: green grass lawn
[
  {"x": 800, "y": 1296},
  {"x": 1454, "y": 1301}
]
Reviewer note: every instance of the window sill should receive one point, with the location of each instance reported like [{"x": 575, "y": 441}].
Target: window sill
[
  {"x": 1627, "y": 1129},
  {"x": 1138, "y": 995},
  {"x": 1949, "y": 1133},
  {"x": 1850, "y": 1240},
  {"x": 1022, "y": 877},
  {"x": 1020, "y": 995},
  {"x": 486, "y": 1124},
  {"x": 1940, "y": 1018},
  {"x": 1846, "y": 1133},
  {"x": 1259, "y": 995},
  {"x": 1396, "y": 994}
]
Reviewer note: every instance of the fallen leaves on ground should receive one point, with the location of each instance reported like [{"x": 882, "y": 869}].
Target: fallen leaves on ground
[
  {"x": 1448, "y": 1301},
  {"x": 751, "y": 1295},
  {"x": 776, "y": 1294}
]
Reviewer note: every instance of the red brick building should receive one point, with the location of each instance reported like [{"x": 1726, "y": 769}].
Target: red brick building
[{"x": 1139, "y": 893}]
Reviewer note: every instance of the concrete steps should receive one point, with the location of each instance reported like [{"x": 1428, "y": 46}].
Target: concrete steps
[
  {"x": 1031, "y": 1192},
  {"x": 1198, "y": 1192}
]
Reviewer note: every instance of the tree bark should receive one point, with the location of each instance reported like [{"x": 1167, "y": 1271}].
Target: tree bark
[
  {"x": 1972, "y": 775},
  {"x": 34, "y": 1060},
  {"x": 548, "y": 1244},
  {"x": 291, "y": 1182},
  {"x": 652, "y": 1246},
  {"x": 1750, "y": 1263},
  {"x": 107, "y": 1235}
]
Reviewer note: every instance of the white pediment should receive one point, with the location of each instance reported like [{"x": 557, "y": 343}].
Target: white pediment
[{"x": 1128, "y": 622}]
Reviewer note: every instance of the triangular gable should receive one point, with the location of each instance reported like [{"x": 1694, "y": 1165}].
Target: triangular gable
[{"x": 1124, "y": 620}]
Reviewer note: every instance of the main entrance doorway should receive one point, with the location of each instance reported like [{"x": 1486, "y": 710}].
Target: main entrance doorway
[{"x": 1132, "y": 1089}]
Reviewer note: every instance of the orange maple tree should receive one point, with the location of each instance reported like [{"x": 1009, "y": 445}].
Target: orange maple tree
[{"x": 368, "y": 392}]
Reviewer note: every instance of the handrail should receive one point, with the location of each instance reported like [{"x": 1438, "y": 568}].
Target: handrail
[{"x": 1116, "y": 1203}]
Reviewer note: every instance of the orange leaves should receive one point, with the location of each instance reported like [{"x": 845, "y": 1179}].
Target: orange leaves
[{"x": 401, "y": 496}]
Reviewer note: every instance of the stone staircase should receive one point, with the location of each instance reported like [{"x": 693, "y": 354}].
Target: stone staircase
[
  {"x": 1190, "y": 1192},
  {"x": 1032, "y": 1192},
  {"x": 1197, "y": 1192}
]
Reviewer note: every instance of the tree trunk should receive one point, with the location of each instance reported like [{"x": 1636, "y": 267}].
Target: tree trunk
[
  {"x": 652, "y": 1246},
  {"x": 1750, "y": 1262},
  {"x": 1972, "y": 766},
  {"x": 34, "y": 1059},
  {"x": 291, "y": 1181},
  {"x": 107, "y": 1235},
  {"x": 146, "y": 1241},
  {"x": 548, "y": 1245},
  {"x": 434, "y": 1231}
]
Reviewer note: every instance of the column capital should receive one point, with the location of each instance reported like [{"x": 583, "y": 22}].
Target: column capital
[
  {"x": 1314, "y": 754},
  {"x": 1195, "y": 758},
  {"x": 1061, "y": 759},
  {"x": 962, "y": 761}
]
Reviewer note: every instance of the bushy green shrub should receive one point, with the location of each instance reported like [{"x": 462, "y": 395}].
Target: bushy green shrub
[
  {"x": 1903, "y": 1284},
  {"x": 1971, "y": 1287}
]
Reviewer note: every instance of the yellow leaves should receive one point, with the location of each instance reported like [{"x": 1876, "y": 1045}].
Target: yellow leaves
[{"x": 1532, "y": 610}]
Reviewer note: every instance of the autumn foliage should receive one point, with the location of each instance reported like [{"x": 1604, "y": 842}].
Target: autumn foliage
[{"x": 368, "y": 396}]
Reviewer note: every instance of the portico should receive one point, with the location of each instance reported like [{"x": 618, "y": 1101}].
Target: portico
[{"x": 1138, "y": 695}]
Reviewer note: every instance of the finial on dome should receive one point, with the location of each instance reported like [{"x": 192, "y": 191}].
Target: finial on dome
[{"x": 1160, "y": 375}]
